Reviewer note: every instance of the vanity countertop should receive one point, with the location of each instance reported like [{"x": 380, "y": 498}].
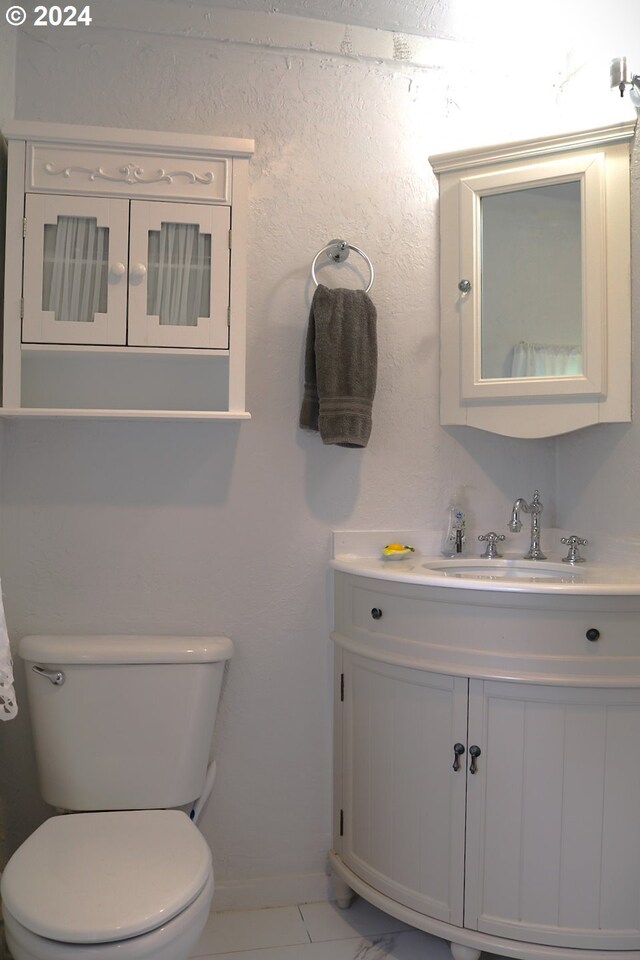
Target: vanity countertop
[{"x": 512, "y": 574}]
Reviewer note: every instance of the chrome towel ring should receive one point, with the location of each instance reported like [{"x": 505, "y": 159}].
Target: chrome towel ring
[{"x": 338, "y": 251}]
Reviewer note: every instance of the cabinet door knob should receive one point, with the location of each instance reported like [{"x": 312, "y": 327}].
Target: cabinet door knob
[
  {"x": 474, "y": 753},
  {"x": 376, "y": 613},
  {"x": 117, "y": 270},
  {"x": 137, "y": 273},
  {"x": 464, "y": 286},
  {"x": 593, "y": 634},
  {"x": 458, "y": 750}
]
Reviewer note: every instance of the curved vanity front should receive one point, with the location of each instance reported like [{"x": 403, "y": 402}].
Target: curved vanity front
[{"x": 487, "y": 758}]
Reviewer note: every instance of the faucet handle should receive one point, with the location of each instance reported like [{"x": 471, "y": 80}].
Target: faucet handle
[
  {"x": 573, "y": 554},
  {"x": 492, "y": 539}
]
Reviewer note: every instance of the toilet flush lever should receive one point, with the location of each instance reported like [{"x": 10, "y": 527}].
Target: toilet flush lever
[{"x": 56, "y": 677}]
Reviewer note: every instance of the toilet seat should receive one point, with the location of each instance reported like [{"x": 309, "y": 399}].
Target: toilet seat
[{"x": 95, "y": 878}]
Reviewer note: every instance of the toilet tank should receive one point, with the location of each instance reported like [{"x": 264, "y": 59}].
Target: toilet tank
[{"x": 131, "y": 725}]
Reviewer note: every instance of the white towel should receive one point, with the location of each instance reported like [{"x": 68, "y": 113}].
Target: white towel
[{"x": 8, "y": 705}]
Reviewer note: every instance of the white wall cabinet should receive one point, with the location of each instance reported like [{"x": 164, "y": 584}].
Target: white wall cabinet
[
  {"x": 498, "y": 814},
  {"x": 535, "y": 283},
  {"x": 125, "y": 273}
]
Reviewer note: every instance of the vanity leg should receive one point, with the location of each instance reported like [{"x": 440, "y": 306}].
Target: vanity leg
[
  {"x": 459, "y": 952},
  {"x": 343, "y": 894}
]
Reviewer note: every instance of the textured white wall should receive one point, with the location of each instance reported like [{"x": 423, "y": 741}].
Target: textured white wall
[
  {"x": 8, "y": 46},
  {"x": 130, "y": 527}
]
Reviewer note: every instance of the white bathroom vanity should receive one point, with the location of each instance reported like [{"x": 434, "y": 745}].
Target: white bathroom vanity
[{"x": 487, "y": 752}]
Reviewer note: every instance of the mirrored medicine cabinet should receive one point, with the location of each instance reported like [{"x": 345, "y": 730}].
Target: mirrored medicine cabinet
[{"x": 535, "y": 283}]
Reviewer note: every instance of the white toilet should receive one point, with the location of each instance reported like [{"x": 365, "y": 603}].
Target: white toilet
[{"x": 123, "y": 728}]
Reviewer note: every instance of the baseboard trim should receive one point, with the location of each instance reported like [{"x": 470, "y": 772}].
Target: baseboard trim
[{"x": 271, "y": 892}]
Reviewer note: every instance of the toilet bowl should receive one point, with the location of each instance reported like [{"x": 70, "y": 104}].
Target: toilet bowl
[{"x": 125, "y": 885}]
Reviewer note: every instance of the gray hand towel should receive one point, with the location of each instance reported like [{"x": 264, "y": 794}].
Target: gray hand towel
[{"x": 341, "y": 365}]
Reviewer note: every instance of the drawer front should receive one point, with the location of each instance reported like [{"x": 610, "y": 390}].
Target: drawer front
[
  {"x": 53, "y": 168},
  {"x": 512, "y": 636}
]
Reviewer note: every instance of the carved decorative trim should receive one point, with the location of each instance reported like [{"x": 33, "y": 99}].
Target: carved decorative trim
[{"x": 130, "y": 173}]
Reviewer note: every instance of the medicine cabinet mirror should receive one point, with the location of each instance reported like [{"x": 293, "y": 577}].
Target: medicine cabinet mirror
[{"x": 535, "y": 283}]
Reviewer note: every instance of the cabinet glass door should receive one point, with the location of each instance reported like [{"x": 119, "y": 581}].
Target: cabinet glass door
[
  {"x": 531, "y": 295},
  {"x": 179, "y": 275},
  {"x": 75, "y": 280}
]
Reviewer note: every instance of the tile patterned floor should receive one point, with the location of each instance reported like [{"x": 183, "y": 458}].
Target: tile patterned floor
[{"x": 315, "y": 931}]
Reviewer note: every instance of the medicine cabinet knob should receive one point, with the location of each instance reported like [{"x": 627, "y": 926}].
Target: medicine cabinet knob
[
  {"x": 593, "y": 634},
  {"x": 464, "y": 286},
  {"x": 376, "y": 613}
]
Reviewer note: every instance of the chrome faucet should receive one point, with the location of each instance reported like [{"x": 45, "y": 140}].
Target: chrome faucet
[{"x": 515, "y": 524}]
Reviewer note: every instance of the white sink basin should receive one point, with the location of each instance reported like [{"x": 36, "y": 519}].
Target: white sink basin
[{"x": 530, "y": 571}]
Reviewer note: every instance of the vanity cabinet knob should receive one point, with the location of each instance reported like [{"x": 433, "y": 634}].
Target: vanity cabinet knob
[
  {"x": 464, "y": 286},
  {"x": 592, "y": 634},
  {"x": 458, "y": 750},
  {"x": 474, "y": 753},
  {"x": 376, "y": 613}
]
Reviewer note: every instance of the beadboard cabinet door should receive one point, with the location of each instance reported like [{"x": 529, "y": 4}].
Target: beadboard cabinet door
[
  {"x": 404, "y": 804},
  {"x": 553, "y": 833}
]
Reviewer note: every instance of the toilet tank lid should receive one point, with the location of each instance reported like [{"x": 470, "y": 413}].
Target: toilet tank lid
[{"x": 106, "y": 648}]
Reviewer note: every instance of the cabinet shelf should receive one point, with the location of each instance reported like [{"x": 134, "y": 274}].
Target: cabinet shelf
[
  {"x": 123, "y": 379},
  {"x": 109, "y": 348},
  {"x": 43, "y": 413}
]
